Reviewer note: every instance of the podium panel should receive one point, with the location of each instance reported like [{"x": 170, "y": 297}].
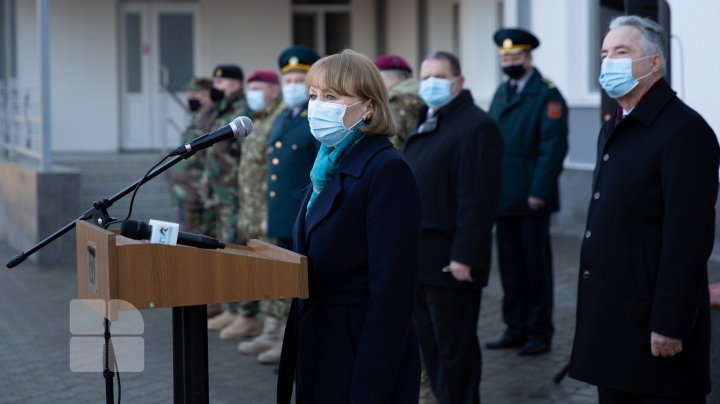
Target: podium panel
[{"x": 113, "y": 267}]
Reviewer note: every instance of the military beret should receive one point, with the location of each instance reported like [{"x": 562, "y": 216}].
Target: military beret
[
  {"x": 267, "y": 76},
  {"x": 392, "y": 62},
  {"x": 198, "y": 84},
  {"x": 229, "y": 71},
  {"x": 297, "y": 57},
  {"x": 514, "y": 40}
]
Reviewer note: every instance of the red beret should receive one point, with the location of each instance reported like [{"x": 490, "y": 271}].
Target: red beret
[
  {"x": 267, "y": 76},
  {"x": 392, "y": 62}
]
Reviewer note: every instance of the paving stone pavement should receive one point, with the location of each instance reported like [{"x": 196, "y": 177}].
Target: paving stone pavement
[{"x": 34, "y": 347}]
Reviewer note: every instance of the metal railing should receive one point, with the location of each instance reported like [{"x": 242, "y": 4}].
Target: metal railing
[{"x": 20, "y": 123}]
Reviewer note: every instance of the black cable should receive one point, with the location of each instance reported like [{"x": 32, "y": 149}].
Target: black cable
[{"x": 132, "y": 199}]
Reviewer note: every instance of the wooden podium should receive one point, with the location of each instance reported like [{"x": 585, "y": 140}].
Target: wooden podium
[{"x": 113, "y": 268}]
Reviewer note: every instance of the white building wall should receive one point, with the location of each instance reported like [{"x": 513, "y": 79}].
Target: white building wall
[
  {"x": 478, "y": 55},
  {"x": 84, "y": 75},
  {"x": 28, "y": 72},
  {"x": 363, "y": 28},
  {"x": 251, "y": 33},
  {"x": 401, "y": 30},
  {"x": 695, "y": 69}
]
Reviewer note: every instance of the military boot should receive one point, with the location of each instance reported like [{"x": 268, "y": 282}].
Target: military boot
[
  {"x": 221, "y": 321},
  {"x": 272, "y": 355},
  {"x": 241, "y": 327},
  {"x": 270, "y": 334}
]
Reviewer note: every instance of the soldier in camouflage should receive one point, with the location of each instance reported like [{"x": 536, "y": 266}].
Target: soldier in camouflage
[
  {"x": 264, "y": 101},
  {"x": 187, "y": 174},
  {"x": 402, "y": 95},
  {"x": 220, "y": 182}
]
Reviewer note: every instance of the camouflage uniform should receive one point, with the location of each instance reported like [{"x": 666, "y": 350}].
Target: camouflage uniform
[
  {"x": 220, "y": 180},
  {"x": 186, "y": 176},
  {"x": 404, "y": 106},
  {"x": 220, "y": 176},
  {"x": 253, "y": 173}
]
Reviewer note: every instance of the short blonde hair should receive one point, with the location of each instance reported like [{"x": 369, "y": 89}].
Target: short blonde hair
[{"x": 351, "y": 74}]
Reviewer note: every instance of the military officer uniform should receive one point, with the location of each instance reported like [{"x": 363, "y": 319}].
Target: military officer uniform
[
  {"x": 532, "y": 115},
  {"x": 291, "y": 154}
]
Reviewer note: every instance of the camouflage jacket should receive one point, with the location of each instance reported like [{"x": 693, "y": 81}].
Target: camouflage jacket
[
  {"x": 222, "y": 159},
  {"x": 253, "y": 172},
  {"x": 404, "y": 106},
  {"x": 187, "y": 175}
]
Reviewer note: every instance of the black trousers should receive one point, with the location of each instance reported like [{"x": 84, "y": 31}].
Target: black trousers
[
  {"x": 446, "y": 322},
  {"x": 525, "y": 258},
  {"x": 610, "y": 396}
]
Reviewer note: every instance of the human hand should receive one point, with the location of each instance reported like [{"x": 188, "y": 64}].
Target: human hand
[
  {"x": 459, "y": 271},
  {"x": 661, "y": 345},
  {"x": 535, "y": 204}
]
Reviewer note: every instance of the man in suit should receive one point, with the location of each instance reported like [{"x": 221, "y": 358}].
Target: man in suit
[
  {"x": 533, "y": 118},
  {"x": 643, "y": 324},
  {"x": 455, "y": 154},
  {"x": 292, "y": 148}
]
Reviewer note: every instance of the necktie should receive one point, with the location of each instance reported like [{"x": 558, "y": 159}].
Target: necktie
[
  {"x": 429, "y": 125},
  {"x": 513, "y": 90}
]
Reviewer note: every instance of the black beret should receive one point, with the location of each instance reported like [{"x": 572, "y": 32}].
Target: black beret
[
  {"x": 514, "y": 40},
  {"x": 297, "y": 57},
  {"x": 228, "y": 71}
]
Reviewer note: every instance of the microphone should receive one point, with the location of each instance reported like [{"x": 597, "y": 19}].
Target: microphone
[
  {"x": 239, "y": 127},
  {"x": 138, "y": 230}
]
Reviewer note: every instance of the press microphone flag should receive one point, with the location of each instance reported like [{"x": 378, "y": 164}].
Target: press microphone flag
[
  {"x": 162, "y": 233},
  {"x": 241, "y": 126}
]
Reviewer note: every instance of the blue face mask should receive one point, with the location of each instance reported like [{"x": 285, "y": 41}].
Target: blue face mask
[
  {"x": 255, "y": 100},
  {"x": 295, "y": 94},
  {"x": 435, "y": 92},
  {"x": 326, "y": 122},
  {"x": 616, "y": 76}
]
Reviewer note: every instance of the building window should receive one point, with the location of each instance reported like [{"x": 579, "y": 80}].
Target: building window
[{"x": 322, "y": 24}]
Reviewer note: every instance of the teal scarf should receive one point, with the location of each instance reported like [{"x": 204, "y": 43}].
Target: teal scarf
[{"x": 327, "y": 161}]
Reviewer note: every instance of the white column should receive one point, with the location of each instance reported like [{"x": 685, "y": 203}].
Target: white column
[{"x": 43, "y": 21}]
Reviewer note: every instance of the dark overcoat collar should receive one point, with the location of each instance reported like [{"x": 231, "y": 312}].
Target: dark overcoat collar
[{"x": 352, "y": 165}]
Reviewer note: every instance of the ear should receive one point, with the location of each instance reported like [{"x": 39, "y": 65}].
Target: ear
[
  {"x": 369, "y": 111},
  {"x": 656, "y": 61}
]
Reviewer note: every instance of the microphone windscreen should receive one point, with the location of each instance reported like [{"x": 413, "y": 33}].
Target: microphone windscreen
[{"x": 243, "y": 126}]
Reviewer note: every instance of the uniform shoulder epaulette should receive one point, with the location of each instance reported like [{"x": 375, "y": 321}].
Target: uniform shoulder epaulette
[{"x": 549, "y": 83}]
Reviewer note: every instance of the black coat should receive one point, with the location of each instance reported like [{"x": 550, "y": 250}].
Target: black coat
[
  {"x": 457, "y": 167},
  {"x": 353, "y": 339},
  {"x": 643, "y": 265}
]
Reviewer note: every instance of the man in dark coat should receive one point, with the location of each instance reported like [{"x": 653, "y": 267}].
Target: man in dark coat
[
  {"x": 455, "y": 154},
  {"x": 643, "y": 329},
  {"x": 292, "y": 148},
  {"x": 534, "y": 122}
]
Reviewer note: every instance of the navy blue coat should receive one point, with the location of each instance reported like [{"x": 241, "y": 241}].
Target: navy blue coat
[
  {"x": 643, "y": 264},
  {"x": 534, "y": 126},
  {"x": 353, "y": 339},
  {"x": 292, "y": 150}
]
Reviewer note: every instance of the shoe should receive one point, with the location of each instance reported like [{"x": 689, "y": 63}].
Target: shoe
[
  {"x": 221, "y": 321},
  {"x": 272, "y": 355},
  {"x": 533, "y": 348},
  {"x": 267, "y": 338},
  {"x": 426, "y": 394},
  {"x": 213, "y": 310},
  {"x": 241, "y": 327},
  {"x": 505, "y": 342}
]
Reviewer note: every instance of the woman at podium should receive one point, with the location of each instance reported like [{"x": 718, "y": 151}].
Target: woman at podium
[{"x": 353, "y": 339}]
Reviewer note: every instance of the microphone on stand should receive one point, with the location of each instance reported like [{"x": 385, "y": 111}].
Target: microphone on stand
[
  {"x": 239, "y": 127},
  {"x": 138, "y": 230}
]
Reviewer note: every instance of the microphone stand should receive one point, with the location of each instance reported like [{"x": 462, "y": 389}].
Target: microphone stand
[
  {"x": 190, "y": 359},
  {"x": 98, "y": 214}
]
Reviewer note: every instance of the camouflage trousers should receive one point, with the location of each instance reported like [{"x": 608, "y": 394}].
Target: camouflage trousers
[{"x": 278, "y": 308}]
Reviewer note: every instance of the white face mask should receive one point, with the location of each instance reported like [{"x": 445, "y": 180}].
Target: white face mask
[
  {"x": 255, "y": 100},
  {"x": 326, "y": 122},
  {"x": 616, "y": 76},
  {"x": 295, "y": 94}
]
